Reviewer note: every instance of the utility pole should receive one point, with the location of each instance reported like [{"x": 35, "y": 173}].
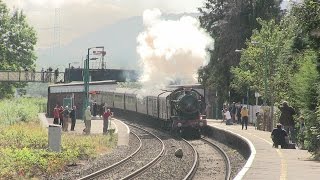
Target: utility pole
[
  {"x": 265, "y": 81},
  {"x": 86, "y": 77}
]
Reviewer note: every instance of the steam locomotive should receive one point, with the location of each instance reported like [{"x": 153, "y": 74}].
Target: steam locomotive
[{"x": 180, "y": 109}]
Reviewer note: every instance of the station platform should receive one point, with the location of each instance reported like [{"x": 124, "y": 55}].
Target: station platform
[
  {"x": 121, "y": 129},
  {"x": 267, "y": 162}
]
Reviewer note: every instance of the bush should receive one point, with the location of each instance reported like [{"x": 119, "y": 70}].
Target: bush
[
  {"x": 306, "y": 97},
  {"x": 21, "y": 109}
]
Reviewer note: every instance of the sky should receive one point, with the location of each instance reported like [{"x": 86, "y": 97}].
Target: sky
[{"x": 80, "y": 17}]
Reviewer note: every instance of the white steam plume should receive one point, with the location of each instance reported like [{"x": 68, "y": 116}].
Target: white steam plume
[{"x": 171, "y": 52}]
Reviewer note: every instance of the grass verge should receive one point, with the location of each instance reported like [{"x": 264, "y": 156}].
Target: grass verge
[{"x": 24, "y": 147}]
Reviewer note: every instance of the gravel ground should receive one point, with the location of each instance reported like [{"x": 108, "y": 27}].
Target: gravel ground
[
  {"x": 212, "y": 163},
  {"x": 88, "y": 167},
  {"x": 150, "y": 149},
  {"x": 237, "y": 161},
  {"x": 171, "y": 167}
]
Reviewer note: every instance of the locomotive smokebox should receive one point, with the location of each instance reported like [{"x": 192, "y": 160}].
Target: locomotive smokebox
[{"x": 188, "y": 104}]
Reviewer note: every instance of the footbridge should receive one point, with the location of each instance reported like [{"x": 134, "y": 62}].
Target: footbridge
[{"x": 27, "y": 76}]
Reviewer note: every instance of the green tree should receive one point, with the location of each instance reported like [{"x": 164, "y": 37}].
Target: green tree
[
  {"x": 304, "y": 82},
  {"x": 305, "y": 95},
  {"x": 268, "y": 57},
  {"x": 17, "y": 44},
  {"x": 306, "y": 86},
  {"x": 230, "y": 23}
]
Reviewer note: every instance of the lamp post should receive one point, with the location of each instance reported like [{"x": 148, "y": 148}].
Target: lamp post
[
  {"x": 248, "y": 90},
  {"x": 256, "y": 95},
  {"x": 265, "y": 74},
  {"x": 265, "y": 80},
  {"x": 86, "y": 77},
  {"x": 216, "y": 104}
]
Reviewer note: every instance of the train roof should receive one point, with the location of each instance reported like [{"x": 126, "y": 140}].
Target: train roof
[
  {"x": 186, "y": 86},
  {"x": 111, "y": 86},
  {"x": 79, "y": 86},
  {"x": 76, "y": 83}
]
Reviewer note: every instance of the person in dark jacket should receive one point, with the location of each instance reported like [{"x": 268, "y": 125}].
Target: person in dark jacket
[
  {"x": 238, "y": 112},
  {"x": 94, "y": 109},
  {"x": 233, "y": 110},
  {"x": 73, "y": 117},
  {"x": 278, "y": 136},
  {"x": 286, "y": 118}
]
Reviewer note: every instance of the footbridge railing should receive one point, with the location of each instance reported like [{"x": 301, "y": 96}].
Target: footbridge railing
[{"x": 27, "y": 76}]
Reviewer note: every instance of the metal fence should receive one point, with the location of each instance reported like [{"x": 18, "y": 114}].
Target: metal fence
[
  {"x": 29, "y": 76},
  {"x": 260, "y": 116}
]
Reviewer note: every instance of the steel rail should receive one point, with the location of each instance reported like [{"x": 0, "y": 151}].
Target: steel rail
[
  {"x": 152, "y": 162},
  {"x": 109, "y": 168},
  {"x": 225, "y": 157},
  {"x": 195, "y": 164}
]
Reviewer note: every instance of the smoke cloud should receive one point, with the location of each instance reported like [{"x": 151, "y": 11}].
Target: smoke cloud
[{"x": 171, "y": 52}]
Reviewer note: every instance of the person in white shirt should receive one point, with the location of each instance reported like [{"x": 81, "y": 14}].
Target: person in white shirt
[{"x": 227, "y": 116}]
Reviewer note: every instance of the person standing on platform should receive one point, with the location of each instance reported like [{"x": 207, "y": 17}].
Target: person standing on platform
[
  {"x": 56, "y": 114},
  {"x": 101, "y": 109},
  {"x": 56, "y": 75},
  {"x": 232, "y": 111},
  {"x": 87, "y": 120},
  {"x": 73, "y": 117},
  {"x": 94, "y": 108},
  {"x": 238, "y": 112},
  {"x": 33, "y": 74},
  {"x": 244, "y": 117},
  {"x": 106, "y": 115},
  {"x": 66, "y": 115},
  {"x": 61, "y": 115},
  {"x": 26, "y": 70},
  {"x": 42, "y": 75},
  {"x": 286, "y": 118}
]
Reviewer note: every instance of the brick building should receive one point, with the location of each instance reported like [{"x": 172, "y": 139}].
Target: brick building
[{"x": 75, "y": 91}]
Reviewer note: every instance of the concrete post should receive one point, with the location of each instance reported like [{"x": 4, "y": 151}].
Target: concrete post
[{"x": 54, "y": 137}]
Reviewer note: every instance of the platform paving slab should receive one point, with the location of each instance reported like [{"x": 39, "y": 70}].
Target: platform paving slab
[
  {"x": 273, "y": 163},
  {"x": 120, "y": 128}
]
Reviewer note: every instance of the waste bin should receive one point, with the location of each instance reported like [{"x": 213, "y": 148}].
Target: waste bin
[{"x": 54, "y": 137}]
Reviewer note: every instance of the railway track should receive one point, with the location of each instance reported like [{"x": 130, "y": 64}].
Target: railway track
[
  {"x": 148, "y": 153},
  {"x": 171, "y": 166},
  {"x": 195, "y": 164},
  {"x": 214, "y": 162}
]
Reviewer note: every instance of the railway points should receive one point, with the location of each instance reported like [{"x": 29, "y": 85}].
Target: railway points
[{"x": 269, "y": 162}]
